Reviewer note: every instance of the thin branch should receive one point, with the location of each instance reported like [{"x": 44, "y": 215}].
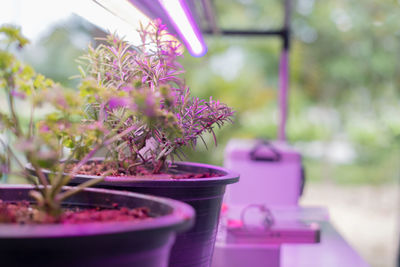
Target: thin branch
[
  {"x": 94, "y": 150},
  {"x": 59, "y": 181},
  {"x": 38, "y": 171},
  {"x": 60, "y": 197},
  {"x": 11, "y": 152},
  {"x": 18, "y": 131},
  {"x": 30, "y": 129}
]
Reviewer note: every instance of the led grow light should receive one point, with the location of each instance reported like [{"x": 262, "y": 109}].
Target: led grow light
[{"x": 180, "y": 16}]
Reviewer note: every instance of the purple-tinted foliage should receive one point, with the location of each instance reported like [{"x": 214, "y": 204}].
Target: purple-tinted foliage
[
  {"x": 18, "y": 94},
  {"x": 44, "y": 128},
  {"x": 118, "y": 102},
  {"x": 156, "y": 102}
]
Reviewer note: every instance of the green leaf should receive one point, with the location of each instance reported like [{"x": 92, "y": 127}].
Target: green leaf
[
  {"x": 39, "y": 81},
  {"x": 27, "y": 72},
  {"x": 13, "y": 34}
]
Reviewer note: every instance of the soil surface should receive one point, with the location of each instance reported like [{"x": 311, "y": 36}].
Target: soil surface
[
  {"x": 25, "y": 213},
  {"x": 99, "y": 168}
]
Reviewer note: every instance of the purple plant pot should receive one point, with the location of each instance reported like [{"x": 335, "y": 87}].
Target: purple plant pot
[
  {"x": 195, "y": 247},
  {"x": 144, "y": 243}
]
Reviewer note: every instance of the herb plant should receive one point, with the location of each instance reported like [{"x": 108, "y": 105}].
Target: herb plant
[
  {"x": 42, "y": 141},
  {"x": 140, "y": 87}
]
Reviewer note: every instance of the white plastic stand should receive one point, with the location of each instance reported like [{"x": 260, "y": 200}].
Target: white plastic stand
[
  {"x": 270, "y": 173},
  {"x": 331, "y": 251}
]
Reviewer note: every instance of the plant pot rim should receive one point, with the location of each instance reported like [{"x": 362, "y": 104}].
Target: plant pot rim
[
  {"x": 227, "y": 177},
  {"x": 181, "y": 218}
]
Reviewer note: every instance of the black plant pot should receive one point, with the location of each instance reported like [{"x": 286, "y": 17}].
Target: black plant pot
[
  {"x": 195, "y": 247},
  {"x": 143, "y": 243}
]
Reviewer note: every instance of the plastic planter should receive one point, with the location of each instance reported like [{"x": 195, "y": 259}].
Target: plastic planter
[
  {"x": 144, "y": 243},
  {"x": 195, "y": 247}
]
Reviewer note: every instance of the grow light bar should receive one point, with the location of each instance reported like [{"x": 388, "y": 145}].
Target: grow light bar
[
  {"x": 124, "y": 17},
  {"x": 182, "y": 19}
]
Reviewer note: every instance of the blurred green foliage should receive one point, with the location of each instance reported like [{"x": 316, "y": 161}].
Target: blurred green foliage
[
  {"x": 344, "y": 79},
  {"x": 344, "y": 82}
]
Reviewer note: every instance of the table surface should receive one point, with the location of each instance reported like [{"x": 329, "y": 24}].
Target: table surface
[{"x": 332, "y": 251}]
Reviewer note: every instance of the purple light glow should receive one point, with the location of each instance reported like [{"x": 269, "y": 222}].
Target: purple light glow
[{"x": 180, "y": 16}]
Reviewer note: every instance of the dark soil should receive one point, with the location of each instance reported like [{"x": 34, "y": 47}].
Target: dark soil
[
  {"x": 24, "y": 213},
  {"x": 99, "y": 168}
]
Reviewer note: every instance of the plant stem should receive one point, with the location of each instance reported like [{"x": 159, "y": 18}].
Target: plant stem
[
  {"x": 160, "y": 163},
  {"x": 59, "y": 181},
  {"x": 18, "y": 131},
  {"x": 38, "y": 170},
  {"x": 94, "y": 150},
  {"x": 30, "y": 130},
  {"x": 11, "y": 152},
  {"x": 60, "y": 197}
]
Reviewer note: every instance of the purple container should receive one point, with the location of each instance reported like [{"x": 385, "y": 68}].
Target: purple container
[
  {"x": 195, "y": 247},
  {"x": 144, "y": 243}
]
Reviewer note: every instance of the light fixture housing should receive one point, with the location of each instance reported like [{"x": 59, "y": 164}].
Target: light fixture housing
[
  {"x": 183, "y": 21},
  {"x": 177, "y": 15},
  {"x": 115, "y": 16}
]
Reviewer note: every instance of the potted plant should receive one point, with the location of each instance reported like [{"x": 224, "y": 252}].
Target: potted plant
[
  {"x": 140, "y": 86},
  {"x": 47, "y": 224}
]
